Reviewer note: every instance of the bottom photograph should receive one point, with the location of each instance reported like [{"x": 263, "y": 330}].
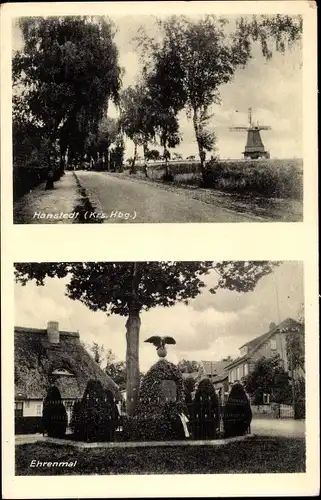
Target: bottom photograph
[{"x": 191, "y": 367}]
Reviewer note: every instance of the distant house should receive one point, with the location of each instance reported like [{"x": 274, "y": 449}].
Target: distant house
[
  {"x": 216, "y": 372},
  {"x": 267, "y": 345},
  {"x": 46, "y": 357},
  {"x": 212, "y": 369}
]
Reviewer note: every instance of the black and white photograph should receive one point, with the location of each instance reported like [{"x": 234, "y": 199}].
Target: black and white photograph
[
  {"x": 157, "y": 119},
  {"x": 159, "y": 368}
]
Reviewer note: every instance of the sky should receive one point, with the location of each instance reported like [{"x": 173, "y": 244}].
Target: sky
[
  {"x": 209, "y": 328},
  {"x": 272, "y": 88}
]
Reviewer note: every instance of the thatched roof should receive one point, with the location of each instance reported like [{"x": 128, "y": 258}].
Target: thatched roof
[{"x": 39, "y": 363}]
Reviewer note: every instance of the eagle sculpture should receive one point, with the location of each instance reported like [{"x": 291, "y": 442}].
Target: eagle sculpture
[{"x": 159, "y": 343}]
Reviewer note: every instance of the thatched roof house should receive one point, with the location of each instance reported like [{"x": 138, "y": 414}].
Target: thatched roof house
[{"x": 49, "y": 356}]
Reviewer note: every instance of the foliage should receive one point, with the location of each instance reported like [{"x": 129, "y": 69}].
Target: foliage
[
  {"x": 154, "y": 417},
  {"x": 206, "y": 413},
  {"x": 127, "y": 288},
  {"x": 269, "y": 178},
  {"x": 95, "y": 417},
  {"x": 295, "y": 351},
  {"x": 299, "y": 394},
  {"x": 189, "y": 386},
  {"x": 152, "y": 154},
  {"x": 106, "y": 359},
  {"x": 135, "y": 117},
  {"x": 187, "y": 366},
  {"x": 193, "y": 58},
  {"x": 268, "y": 377},
  {"x": 54, "y": 415},
  {"x": 53, "y": 74},
  {"x": 237, "y": 412}
]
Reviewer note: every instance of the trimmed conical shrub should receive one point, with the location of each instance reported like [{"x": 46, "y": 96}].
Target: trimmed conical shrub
[
  {"x": 95, "y": 417},
  {"x": 206, "y": 412},
  {"x": 237, "y": 414},
  {"x": 161, "y": 402},
  {"x": 54, "y": 415}
]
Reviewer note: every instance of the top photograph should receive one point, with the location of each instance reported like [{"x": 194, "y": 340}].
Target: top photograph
[{"x": 140, "y": 119}]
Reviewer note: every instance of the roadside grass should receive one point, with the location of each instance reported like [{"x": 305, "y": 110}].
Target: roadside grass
[
  {"x": 269, "y": 177},
  {"x": 257, "y": 455}
]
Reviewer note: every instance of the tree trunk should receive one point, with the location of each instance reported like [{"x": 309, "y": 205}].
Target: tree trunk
[
  {"x": 132, "y": 340},
  {"x": 133, "y": 168},
  {"x": 200, "y": 149},
  {"x": 132, "y": 360}
]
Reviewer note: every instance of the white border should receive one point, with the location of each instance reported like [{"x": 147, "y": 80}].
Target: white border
[{"x": 280, "y": 241}]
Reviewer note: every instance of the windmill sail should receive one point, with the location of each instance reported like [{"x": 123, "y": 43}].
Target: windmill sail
[{"x": 254, "y": 147}]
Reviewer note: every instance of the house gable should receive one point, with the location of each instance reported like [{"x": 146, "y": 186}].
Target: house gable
[{"x": 40, "y": 362}]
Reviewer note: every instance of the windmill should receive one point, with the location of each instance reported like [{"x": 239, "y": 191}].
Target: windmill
[{"x": 254, "y": 147}]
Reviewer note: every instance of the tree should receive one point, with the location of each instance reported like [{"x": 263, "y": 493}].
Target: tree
[
  {"x": 128, "y": 288},
  {"x": 54, "y": 74},
  {"x": 193, "y": 58},
  {"x": 135, "y": 118},
  {"x": 268, "y": 377},
  {"x": 116, "y": 370},
  {"x": 98, "y": 353},
  {"x": 186, "y": 366},
  {"x": 106, "y": 359},
  {"x": 98, "y": 143},
  {"x": 152, "y": 154}
]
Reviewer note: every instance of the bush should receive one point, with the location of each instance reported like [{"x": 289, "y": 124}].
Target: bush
[
  {"x": 237, "y": 413},
  {"x": 189, "y": 386},
  {"x": 95, "y": 417},
  {"x": 156, "y": 418},
  {"x": 28, "y": 425},
  {"x": 271, "y": 178},
  {"x": 54, "y": 415},
  {"x": 206, "y": 411},
  {"x": 299, "y": 407},
  {"x": 168, "y": 177}
]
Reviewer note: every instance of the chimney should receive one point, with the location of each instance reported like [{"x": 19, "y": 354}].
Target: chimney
[
  {"x": 53, "y": 332},
  {"x": 272, "y": 326}
]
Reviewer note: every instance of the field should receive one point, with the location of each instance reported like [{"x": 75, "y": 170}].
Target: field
[{"x": 266, "y": 177}]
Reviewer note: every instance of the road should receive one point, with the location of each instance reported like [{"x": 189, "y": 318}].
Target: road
[
  {"x": 126, "y": 200},
  {"x": 278, "y": 427}
]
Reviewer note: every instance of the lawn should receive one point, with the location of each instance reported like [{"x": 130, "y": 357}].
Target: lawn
[{"x": 256, "y": 455}]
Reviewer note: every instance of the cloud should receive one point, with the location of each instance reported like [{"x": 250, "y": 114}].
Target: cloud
[
  {"x": 273, "y": 88},
  {"x": 210, "y": 327}
]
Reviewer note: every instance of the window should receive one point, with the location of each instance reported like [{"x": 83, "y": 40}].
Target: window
[
  {"x": 273, "y": 344},
  {"x": 266, "y": 399},
  {"x": 243, "y": 350},
  {"x": 38, "y": 410},
  {"x": 18, "y": 409},
  {"x": 238, "y": 373},
  {"x": 246, "y": 369}
]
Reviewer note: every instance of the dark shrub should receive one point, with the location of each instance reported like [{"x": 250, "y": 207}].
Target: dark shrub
[
  {"x": 28, "y": 425},
  {"x": 237, "y": 413},
  {"x": 168, "y": 177},
  {"x": 189, "y": 386},
  {"x": 206, "y": 411},
  {"x": 95, "y": 417},
  {"x": 157, "y": 417},
  {"x": 54, "y": 415},
  {"x": 299, "y": 407}
]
